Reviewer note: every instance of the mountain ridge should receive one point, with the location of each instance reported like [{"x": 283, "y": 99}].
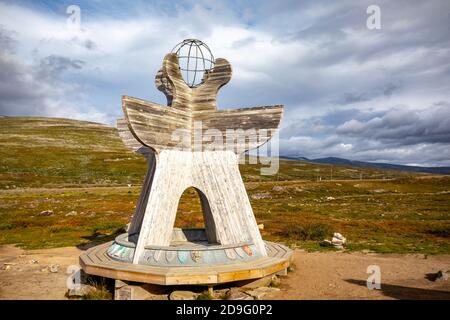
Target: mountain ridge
[{"x": 367, "y": 164}]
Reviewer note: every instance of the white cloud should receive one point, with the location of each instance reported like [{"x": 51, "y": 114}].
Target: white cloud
[{"x": 318, "y": 60}]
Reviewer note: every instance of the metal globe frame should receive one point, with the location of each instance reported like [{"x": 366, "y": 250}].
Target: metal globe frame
[{"x": 201, "y": 52}]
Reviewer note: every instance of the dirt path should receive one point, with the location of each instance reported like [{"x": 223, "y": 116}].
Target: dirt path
[
  {"x": 27, "y": 280},
  {"x": 338, "y": 275},
  {"x": 321, "y": 275}
]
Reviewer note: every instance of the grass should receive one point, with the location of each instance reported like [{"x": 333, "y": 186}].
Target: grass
[
  {"x": 101, "y": 293},
  {"x": 309, "y": 231},
  {"x": 65, "y": 166},
  {"x": 205, "y": 295}
]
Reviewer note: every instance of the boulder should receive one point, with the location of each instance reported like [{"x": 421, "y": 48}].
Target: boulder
[
  {"x": 236, "y": 294},
  {"x": 338, "y": 241},
  {"x": 255, "y": 283},
  {"x": 259, "y": 293},
  {"x": 183, "y": 295},
  {"x": 80, "y": 290}
]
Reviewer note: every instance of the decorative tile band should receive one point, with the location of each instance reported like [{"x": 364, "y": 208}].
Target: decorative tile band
[{"x": 123, "y": 250}]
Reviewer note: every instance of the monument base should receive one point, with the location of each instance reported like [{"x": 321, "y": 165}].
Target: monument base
[{"x": 97, "y": 261}]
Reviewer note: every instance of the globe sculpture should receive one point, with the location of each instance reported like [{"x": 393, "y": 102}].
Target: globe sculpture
[
  {"x": 195, "y": 59},
  {"x": 176, "y": 141}
]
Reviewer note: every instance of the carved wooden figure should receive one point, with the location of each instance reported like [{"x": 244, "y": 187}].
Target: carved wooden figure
[
  {"x": 189, "y": 143},
  {"x": 181, "y": 160}
]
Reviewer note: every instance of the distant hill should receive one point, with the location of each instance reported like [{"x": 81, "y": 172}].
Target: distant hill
[{"x": 363, "y": 164}]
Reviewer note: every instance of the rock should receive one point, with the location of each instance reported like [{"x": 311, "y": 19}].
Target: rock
[
  {"x": 261, "y": 226},
  {"x": 236, "y": 294},
  {"x": 71, "y": 213},
  {"x": 220, "y": 293},
  {"x": 259, "y": 293},
  {"x": 275, "y": 281},
  {"x": 53, "y": 268},
  {"x": 337, "y": 242},
  {"x": 338, "y": 239},
  {"x": 379, "y": 190},
  {"x": 6, "y": 267},
  {"x": 158, "y": 297},
  {"x": 80, "y": 290},
  {"x": 326, "y": 243},
  {"x": 255, "y": 283},
  {"x": 258, "y": 196},
  {"x": 268, "y": 289},
  {"x": 32, "y": 261},
  {"x": 330, "y": 198},
  {"x": 46, "y": 213},
  {"x": 339, "y": 236},
  {"x": 183, "y": 295},
  {"x": 278, "y": 188},
  {"x": 442, "y": 275},
  {"x": 125, "y": 290}
]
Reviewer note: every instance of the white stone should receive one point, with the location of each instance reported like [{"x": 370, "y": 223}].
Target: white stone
[{"x": 46, "y": 213}]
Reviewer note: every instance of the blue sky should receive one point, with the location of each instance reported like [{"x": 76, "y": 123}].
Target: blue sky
[{"x": 374, "y": 95}]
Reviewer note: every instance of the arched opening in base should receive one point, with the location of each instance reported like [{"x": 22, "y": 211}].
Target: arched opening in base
[{"x": 194, "y": 221}]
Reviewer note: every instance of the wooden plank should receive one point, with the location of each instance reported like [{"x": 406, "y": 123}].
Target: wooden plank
[{"x": 106, "y": 267}]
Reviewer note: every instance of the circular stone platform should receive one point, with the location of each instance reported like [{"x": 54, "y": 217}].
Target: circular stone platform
[{"x": 184, "y": 262}]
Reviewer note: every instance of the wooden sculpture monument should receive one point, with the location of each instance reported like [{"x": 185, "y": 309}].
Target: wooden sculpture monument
[{"x": 187, "y": 144}]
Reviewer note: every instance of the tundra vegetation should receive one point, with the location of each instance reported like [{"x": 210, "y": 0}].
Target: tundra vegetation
[{"x": 66, "y": 182}]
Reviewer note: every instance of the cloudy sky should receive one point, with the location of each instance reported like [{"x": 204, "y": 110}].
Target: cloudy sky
[{"x": 349, "y": 91}]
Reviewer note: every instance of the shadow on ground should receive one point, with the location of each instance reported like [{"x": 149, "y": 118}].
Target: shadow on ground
[
  {"x": 97, "y": 238},
  {"x": 406, "y": 293}
]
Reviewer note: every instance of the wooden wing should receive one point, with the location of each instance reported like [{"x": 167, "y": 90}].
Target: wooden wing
[
  {"x": 157, "y": 127},
  {"x": 246, "y": 128}
]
